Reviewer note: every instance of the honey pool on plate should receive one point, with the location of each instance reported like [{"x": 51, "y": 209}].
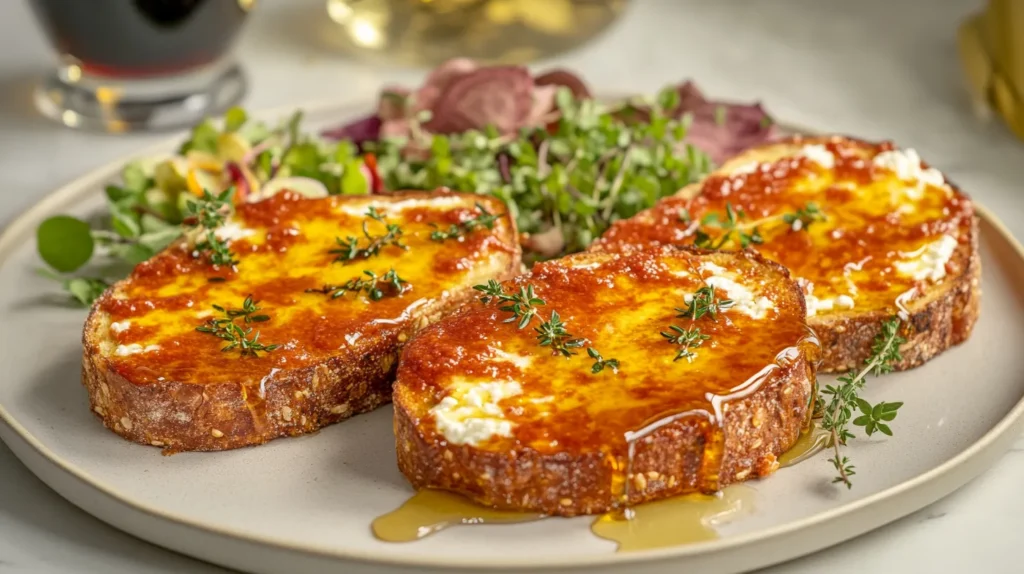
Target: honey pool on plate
[{"x": 671, "y": 522}]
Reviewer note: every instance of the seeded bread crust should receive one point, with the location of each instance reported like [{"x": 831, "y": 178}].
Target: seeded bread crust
[
  {"x": 177, "y": 416},
  {"x": 757, "y": 428},
  {"x": 942, "y": 316}
]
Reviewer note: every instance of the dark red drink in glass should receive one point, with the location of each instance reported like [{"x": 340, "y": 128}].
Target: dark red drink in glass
[{"x": 141, "y": 64}]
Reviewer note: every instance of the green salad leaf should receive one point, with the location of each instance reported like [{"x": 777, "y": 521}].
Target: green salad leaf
[
  {"x": 565, "y": 183},
  {"x": 234, "y": 119},
  {"x": 65, "y": 243},
  {"x": 85, "y": 290},
  {"x": 204, "y": 138},
  {"x": 572, "y": 181}
]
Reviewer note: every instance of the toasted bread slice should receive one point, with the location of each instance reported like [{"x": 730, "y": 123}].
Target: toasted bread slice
[
  {"x": 896, "y": 239},
  {"x": 155, "y": 379},
  {"x": 482, "y": 408}
]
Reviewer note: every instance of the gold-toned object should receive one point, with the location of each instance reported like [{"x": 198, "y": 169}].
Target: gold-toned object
[
  {"x": 429, "y": 32},
  {"x": 991, "y": 46}
]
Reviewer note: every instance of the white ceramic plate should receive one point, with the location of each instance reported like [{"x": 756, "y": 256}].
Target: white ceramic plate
[{"x": 305, "y": 504}]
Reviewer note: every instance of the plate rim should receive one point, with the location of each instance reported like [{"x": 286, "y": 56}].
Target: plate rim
[{"x": 972, "y": 459}]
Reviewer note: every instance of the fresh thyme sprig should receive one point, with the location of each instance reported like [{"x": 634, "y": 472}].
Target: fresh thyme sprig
[
  {"x": 703, "y": 302},
  {"x": 687, "y": 338},
  {"x": 522, "y": 305},
  {"x": 747, "y": 233},
  {"x": 804, "y": 216},
  {"x": 485, "y": 220},
  {"x": 349, "y": 249},
  {"x": 373, "y": 284},
  {"x": 204, "y": 216},
  {"x": 841, "y": 399},
  {"x": 552, "y": 333},
  {"x": 237, "y": 336},
  {"x": 600, "y": 363},
  {"x": 730, "y": 224}
]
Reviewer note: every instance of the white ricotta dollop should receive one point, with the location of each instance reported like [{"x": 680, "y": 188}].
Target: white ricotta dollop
[
  {"x": 819, "y": 154},
  {"x": 232, "y": 231},
  {"x": 928, "y": 262},
  {"x": 521, "y": 361},
  {"x": 743, "y": 299},
  {"x": 817, "y": 305},
  {"x": 120, "y": 326},
  {"x": 133, "y": 349},
  {"x": 471, "y": 415},
  {"x": 906, "y": 164}
]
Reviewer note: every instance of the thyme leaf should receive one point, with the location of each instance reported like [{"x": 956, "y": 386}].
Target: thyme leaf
[
  {"x": 600, "y": 363},
  {"x": 349, "y": 249},
  {"x": 239, "y": 337},
  {"x": 703, "y": 302},
  {"x": 840, "y": 400},
  {"x": 376, "y": 287},
  {"x": 204, "y": 216},
  {"x": 717, "y": 230},
  {"x": 687, "y": 338},
  {"x": 522, "y": 305},
  {"x": 552, "y": 333},
  {"x": 485, "y": 220}
]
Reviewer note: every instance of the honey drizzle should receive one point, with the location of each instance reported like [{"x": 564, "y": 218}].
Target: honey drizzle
[
  {"x": 674, "y": 521},
  {"x": 679, "y": 520},
  {"x": 713, "y": 429},
  {"x": 430, "y": 511},
  {"x": 711, "y": 437},
  {"x": 671, "y": 522},
  {"x": 812, "y": 440}
]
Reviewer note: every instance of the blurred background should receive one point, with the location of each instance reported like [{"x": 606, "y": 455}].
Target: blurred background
[{"x": 874, "y": 68}]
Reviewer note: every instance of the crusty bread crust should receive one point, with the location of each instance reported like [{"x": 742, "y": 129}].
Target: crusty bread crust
[
  {"x": 944, "y": 317},
  {"x": 939, "y": 317},
  {"x": 757, "y": 428},
  {"x": 179, "y": 416}
]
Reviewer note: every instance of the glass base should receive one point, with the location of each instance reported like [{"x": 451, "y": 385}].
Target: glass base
[{"x": 116, "y": 105}]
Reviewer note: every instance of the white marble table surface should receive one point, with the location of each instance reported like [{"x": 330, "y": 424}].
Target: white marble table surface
[{"x": 873, "y": 68}]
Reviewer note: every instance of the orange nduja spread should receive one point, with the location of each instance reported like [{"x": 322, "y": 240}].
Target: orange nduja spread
[
  {"x": 488, "y": 384},
  {"x": 283, "y": 249},
  {"x": 891, "y": 223}
]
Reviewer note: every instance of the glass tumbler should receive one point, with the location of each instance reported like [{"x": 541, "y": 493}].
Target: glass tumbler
[
  {"x": 428, "y": 32},
  {"x": 132, "y": 65}
]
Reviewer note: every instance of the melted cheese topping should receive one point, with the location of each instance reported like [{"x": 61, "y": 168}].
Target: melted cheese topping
[
  {"x": 743, "y": 299},
  {"x": 528, "y": 397},
  {"x": 896, "y": 218},
  {"x": 233, "y": 230},
  {"x": 134, "y": 349},
  {"x": 907, "y": 166},
  {"x": 471, "y": 413},
  {"x": 819, "y": 154},
  {"x": 120, "y": 326},
  {"x": 283, "y": 246}
]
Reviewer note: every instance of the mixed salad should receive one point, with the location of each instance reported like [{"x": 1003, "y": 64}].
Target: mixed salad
[{"x": 566, "y": 164}]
